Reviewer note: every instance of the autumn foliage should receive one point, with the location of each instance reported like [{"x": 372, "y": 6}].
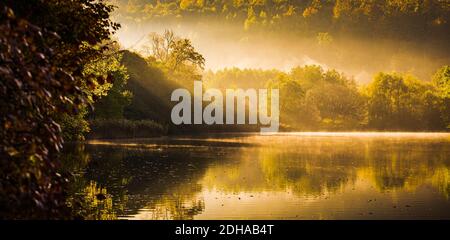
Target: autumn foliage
[{"x": 41, "y": 60}]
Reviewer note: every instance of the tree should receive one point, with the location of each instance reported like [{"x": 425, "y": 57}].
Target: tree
[
  {"x": 295, "y": 112},
  {"x": 339, "y": 106},
  {"x": 42, "y": 56},
  {"x": 176, "y": 56},
  {"x": 112, "y": 105},
  {"x": 335, "y": 98},
  {"x": 403, "y": 102},
  {"x": 384, "y": 104},
  {"x": 113, "y": 96},
  {"x": 441, "y": 80},
  {"x": 307, "y": 76}
]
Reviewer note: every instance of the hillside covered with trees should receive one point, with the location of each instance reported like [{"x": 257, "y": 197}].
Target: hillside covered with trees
[
  {"x": 66, "y": 77},
  {"x": 421, "y": 20}
]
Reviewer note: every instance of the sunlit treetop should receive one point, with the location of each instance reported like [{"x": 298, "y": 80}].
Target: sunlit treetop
[{"x": 397, "y": 18}]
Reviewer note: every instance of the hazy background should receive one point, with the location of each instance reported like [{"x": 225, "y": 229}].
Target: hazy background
[{"x": 225, "y": 45}]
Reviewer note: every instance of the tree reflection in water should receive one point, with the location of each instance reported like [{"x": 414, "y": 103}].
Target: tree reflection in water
[{"x": 178, "y": 178}]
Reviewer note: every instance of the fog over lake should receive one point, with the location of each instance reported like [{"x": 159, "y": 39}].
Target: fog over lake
[{"x": 299, "y": 175}]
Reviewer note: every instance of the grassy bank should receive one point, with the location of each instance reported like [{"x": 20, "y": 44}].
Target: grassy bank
[{"x": 122, "y": 128}]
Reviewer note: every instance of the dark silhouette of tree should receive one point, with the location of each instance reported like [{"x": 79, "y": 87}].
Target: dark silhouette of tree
[{"x": 43, "y": 48}]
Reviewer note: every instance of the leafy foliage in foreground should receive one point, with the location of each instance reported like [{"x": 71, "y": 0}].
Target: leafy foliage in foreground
[{"x": 42, "y": 56}]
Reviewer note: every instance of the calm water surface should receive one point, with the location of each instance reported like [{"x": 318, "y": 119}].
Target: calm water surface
[{"x": 284, "y": 176}]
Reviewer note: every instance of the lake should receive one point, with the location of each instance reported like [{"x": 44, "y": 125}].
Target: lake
[{"x": 283, "y": 176}]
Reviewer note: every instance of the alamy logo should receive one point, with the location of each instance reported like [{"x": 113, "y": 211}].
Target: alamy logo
[{"x": 213, "y": 113}]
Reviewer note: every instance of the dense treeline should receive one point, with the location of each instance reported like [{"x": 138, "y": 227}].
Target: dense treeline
[
  {"x": 242, "y": 78},
  {"x": 414, "y": 19},
  {"x": 312, "y": 98}
]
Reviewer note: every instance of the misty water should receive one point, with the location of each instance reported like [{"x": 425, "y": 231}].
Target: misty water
[{"x": 283, "y": 176}]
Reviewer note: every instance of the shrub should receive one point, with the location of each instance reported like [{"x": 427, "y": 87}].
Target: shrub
[{"x": 123, "y": 128}]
